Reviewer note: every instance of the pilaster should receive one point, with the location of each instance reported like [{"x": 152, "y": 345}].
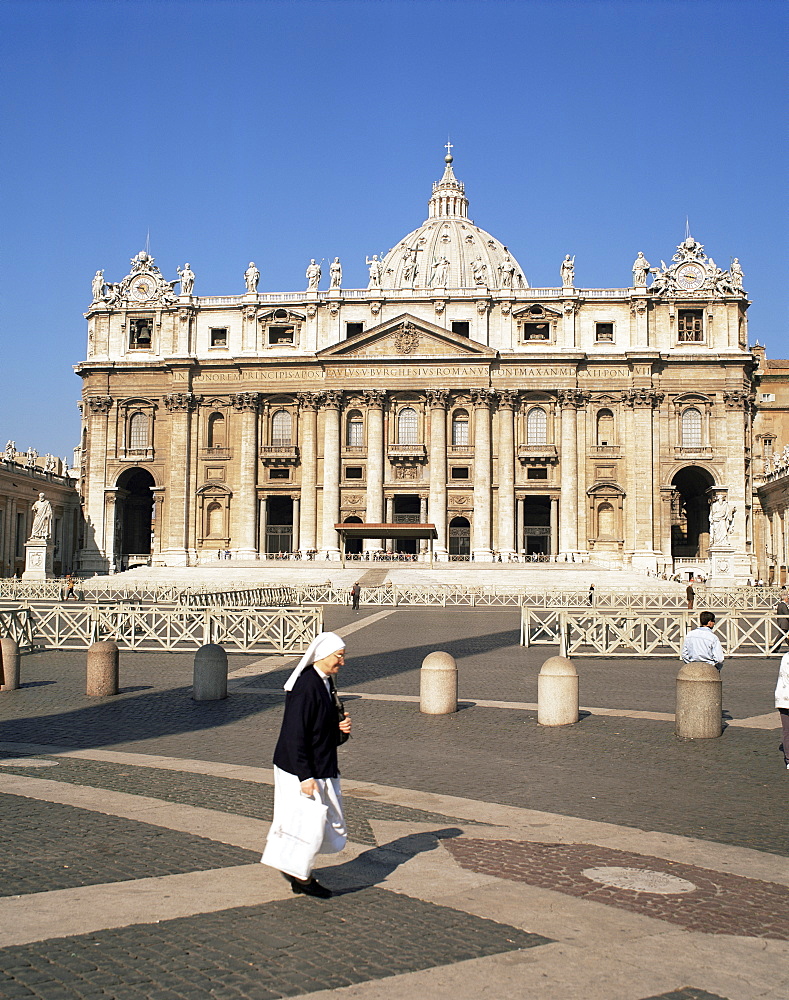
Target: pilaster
[
  {"x": 437, "y": 498},
  {"x": 180, "y": 407},
  {"x": 332, "y": 401},
  {"x": 481, "y": 548},
  {"x": 244, "y": 512},
  {"x": 308, "y": 412},
  {"x": 508, "y": 401}
]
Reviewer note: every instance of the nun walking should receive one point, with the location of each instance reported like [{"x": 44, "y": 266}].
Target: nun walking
[{"x": 305, "y": 758}]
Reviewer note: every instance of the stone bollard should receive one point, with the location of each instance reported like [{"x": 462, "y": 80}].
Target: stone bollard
[
  {"x": 210, "y": 673},
  {"x": 557, "y": 693},
  {"x": 102, "y": 678},
  {"x": 9, "y": 664},
  {"x": 438, "y": 684},
  {"x": 699, "y": 702}
]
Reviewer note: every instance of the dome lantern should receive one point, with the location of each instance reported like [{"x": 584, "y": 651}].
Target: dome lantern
[{"x": 449, "y": 200}]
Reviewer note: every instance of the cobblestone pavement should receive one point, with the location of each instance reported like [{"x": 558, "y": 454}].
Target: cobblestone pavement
[{"x": 133, "y": 826}]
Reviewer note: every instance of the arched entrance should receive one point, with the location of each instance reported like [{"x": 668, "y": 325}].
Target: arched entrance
[
  {"x": 353, "y": 546},
  {"x": 133, "y": 517},
  {"x": 459, "y": 538},
  {"x": 690, "y": 513}
]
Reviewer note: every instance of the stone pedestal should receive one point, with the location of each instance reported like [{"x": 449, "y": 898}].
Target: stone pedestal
[
  {"x": 38, "y": 559},
  {"x": 722, "y": 566}
]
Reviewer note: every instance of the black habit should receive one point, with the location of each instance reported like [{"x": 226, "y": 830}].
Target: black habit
[{"x": 310, "y": 733}]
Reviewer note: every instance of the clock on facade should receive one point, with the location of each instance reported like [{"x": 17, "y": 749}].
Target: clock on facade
[
  {"x": 143, "y": 287},
  {"x": 690, "y": 277}
]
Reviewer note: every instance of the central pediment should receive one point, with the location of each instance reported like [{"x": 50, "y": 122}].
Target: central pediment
[{"x": 406, "y": 338}]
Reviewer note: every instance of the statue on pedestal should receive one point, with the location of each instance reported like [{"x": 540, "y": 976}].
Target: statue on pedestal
[
  {"x": 187, "y": 278},
  {"x": 640, "y": 270},
  {"x": 49, "y": 463},
  {"x": 440, "y": 273},
  {"x": 97, "y": 286},
  {"x": 9, "y": 455},
  {"x": 479, "y": 270},
  {"x": 252, "y": 277},
  {"x": 31, "y": 456},
  {"x": 42, "y": 518},
  {"x": 507, "y": 268},
  {"x": 375, "y": 271},
  {"x": 721, "y": 520},
  {"x": 568, "y": 271},
  {"x": 335, "y": 273},
  {"x": 313, "y": 275}
]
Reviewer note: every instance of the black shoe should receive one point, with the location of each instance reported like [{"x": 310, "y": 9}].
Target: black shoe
[{"x": 311, "y": 888}]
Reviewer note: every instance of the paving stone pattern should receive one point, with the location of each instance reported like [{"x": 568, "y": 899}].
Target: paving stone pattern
[
  {"x": 45, "y": 846},
  {"x": 278, "y": 949},
  {"x": 720, "y": 904},
  {"x": 229, "y": 795}
]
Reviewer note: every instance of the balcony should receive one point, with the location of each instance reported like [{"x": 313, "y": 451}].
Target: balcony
[
  {"x": 605, "y": 451},
  {"x": 697, "y": 451},
  {"x": 354, "y": 450},
  {"x": 537, "y": 453},
  {"x": 407, "y": 452},
  {"x": 215, "y": 454},
  {"x": 136, "y": 455},
  {"x": 461, "y": 450},
  {"x": 277, "y": 453}
]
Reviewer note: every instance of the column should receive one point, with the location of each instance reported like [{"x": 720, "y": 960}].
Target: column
[
  {"x": 244, "y": 510},
  {"x": 93, "y": 557},
  {"x": 519, "y": 509},
  {"x": 481, "y": 550},
  {"x": 111, "y": 530},
  {"x": 568, "y": 471},
  {"x": 308, "y": 402},
  {"x": 331, "y": 474},
  {"x": 389, "y": 546},
  {"x": 294, "y": 545},
  {"x": 554, "y": 526},
  {"x": 263, "y": 547},
  {"x": 437, "y": 497},
  {"x": 643, "y": 402},
  {"x": 508, "y": 400},
  {"x": 423, "y": 546},
  {"x": 180, "y": 406},
  {"x": 376, "y": 456}
]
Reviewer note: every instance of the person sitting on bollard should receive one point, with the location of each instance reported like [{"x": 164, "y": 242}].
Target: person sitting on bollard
[{"x": 702, "y": 645}]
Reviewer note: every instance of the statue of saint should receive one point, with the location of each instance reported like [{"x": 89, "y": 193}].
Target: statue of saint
[
  {"x": 187, "y": 279},
  {"x": 30, "y": 458},
  {"x": 9, "y": 455},
  {"x": 479, "y": 270},
  {"x": 640, "y": 270},
  {"x": 313, "y": 276},
  {"x": 97, "y": 286},
  {"x": 440, "y": 273},
  {"x": 375, "y": 271},
  {"x": 252, "y": 277},
  {"x": 335, "y": 273},
  {"x": 721, "y": 520},
  {"x": 49, "y": 463},
  {"x": 736, "y": 274},
  {"x": 568, "y": 271},
  {"x": 507, "y": 268},
  {"x": 42, "y": 518}
]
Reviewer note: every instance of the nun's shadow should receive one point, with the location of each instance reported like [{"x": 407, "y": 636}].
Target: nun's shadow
[{"x": 371, "y": 867}]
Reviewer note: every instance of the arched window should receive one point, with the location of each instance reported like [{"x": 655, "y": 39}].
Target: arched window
[
  {"x": 460, "y": 428},
  {"x": 537, "y": 426},
  {"x": 215, "y": 520},
  {"x": 281, "y": 429},
  {"x": 354, "y": 430},
  {"x": 691, "y": 428},
  {"x": 606, "y": 520},
  {"x": 605, "y": 427},
  {"x": 138, "y": 432},
  {"x": 216, "y": 431},
  {"x": 407, "y": 426}
]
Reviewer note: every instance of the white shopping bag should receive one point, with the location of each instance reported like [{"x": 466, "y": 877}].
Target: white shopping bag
[{"x": 293, "y": 843}]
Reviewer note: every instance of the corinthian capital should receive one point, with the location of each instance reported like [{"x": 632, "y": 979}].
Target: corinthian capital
[
  {"x": 738, "y": 399},
  {"x": 99, "y": 404},
  {"x": 374, "y": 397},
  {"x": 246, "y": 401},
  {"x": 577, "y": 398},
  {"x": 309, "y": 400},
  {"x": 332, "y": 399},
  {"x": 437, "y": 398},
  {"x": 483, "y": 397},
  {"x": 643, "y": 397},
  {"x": 184, "y": 402},
  {"x": 508, "y": 399}
]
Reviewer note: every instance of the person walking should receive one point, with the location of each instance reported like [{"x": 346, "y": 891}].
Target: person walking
[
  {"x": 591, "y": 593},
  {"x": 782, "y": 704},
  {"x": 690, "y": 593},
  {"x": 782, "y": 618},
  {"x": 356, "y": 591},
  {"x": 702, "y": 645},
  {"x": 69, "y": 587},
  {"x": 305, "y": 758}
]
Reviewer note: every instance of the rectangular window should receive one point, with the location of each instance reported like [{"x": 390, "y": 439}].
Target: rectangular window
[
  {"x": 459, "y": 472},
  {"x": 280, "y": 335},
  {"x": 353, "y": 472},
  {"x": 604, "y": 332},
  {"x": 768, "y": 447},
  {"x": 690, "y": 326},
  {"x": 536, "y": 331},
  {"x": 460, "y": 327},
  {"x": 218, "y": 336},
  {"x": 536, "y": 473},
  {"x": 352, "y": 329},
  {"x": 279, "y": 473},
  {"x": 767, "y": 397},
  {"x": 140, "y": 334}
]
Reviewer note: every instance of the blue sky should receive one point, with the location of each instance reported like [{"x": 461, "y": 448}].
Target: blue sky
[{"x": 280, "y": 131}]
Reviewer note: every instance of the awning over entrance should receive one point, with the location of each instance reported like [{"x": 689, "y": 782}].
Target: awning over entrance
[{"x": 356, "y": 530}]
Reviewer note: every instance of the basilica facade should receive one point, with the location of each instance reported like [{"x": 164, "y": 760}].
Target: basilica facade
[{"x": 449, "y": 406}]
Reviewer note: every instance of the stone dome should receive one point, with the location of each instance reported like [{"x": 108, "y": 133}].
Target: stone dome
[{"x": 448, "y": 250}]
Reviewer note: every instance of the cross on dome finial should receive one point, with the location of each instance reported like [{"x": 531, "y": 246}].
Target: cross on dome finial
[{"x": 448, "y": 147}]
